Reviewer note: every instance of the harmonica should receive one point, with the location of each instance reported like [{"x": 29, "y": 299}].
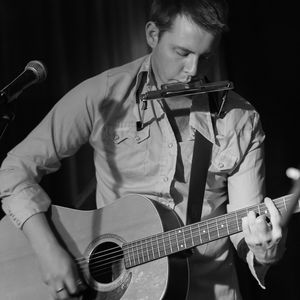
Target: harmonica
[{"x": 186, "y": 89}]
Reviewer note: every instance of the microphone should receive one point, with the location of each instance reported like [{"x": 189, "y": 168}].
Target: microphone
[{"x": 34, "y": 72}]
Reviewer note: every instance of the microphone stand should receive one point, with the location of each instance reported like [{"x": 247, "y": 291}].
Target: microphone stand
[{"x": 6, "y": 114}]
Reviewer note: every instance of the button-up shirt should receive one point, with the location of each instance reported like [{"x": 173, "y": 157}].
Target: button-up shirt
[{"x": 104, "y": 111}]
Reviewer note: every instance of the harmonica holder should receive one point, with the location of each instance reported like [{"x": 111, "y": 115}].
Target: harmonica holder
[{"x": 186, "y": 89}]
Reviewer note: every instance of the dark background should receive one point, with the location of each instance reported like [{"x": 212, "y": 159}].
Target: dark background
[{"x": 78, "y": 39}]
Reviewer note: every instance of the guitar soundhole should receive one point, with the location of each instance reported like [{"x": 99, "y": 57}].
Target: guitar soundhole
[{"x": 106, "y": 262}]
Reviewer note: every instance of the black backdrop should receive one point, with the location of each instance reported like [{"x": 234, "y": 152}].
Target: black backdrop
[{"x": 78, "y": 39}]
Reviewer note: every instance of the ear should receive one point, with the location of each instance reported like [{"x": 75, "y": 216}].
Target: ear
[{"x": 152, "y": 34}]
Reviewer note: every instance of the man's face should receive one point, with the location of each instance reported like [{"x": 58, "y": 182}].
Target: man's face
[{"x": 182, "y": 52}]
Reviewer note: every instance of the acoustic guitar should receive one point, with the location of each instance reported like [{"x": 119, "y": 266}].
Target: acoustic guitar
[{"x": 129, "y": 250}]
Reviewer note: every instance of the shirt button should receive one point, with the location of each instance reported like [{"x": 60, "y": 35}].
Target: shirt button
[
  {"x": 137, "y": 138},
  {"x": 170, "y": 145},
  {"x": 165, "y": 178},
  {"x": 221, "y": 165},
  {"x": 116, "y": 137}
]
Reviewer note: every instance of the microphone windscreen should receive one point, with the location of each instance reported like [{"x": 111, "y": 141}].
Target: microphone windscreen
[{"x": 38, "y": 68}]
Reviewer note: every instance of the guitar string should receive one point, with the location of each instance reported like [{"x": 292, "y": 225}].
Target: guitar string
[
  {"x": 158, "y": 238},
  {"x": 214, "y": 226},
  {"x": 104, "y": 270},
  {"x": 142, "y": 243},
  {"x": 100, "y": 267}
]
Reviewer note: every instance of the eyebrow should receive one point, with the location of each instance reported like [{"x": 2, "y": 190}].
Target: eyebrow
[{"x": 184, "y": 49}]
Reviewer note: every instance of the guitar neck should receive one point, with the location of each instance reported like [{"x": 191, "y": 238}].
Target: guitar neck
[{"x": 189, "y": 236}]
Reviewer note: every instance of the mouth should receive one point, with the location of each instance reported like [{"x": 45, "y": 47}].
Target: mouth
[{"x": 186, "y": 80}]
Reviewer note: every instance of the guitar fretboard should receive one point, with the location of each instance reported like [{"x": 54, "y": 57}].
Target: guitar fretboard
[{"x": 170, "y": 242}]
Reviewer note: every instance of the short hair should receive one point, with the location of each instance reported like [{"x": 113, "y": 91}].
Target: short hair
[{"x": 208, "y": 14}]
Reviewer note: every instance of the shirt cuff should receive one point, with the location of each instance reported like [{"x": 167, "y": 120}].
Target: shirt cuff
[
  {"x": 21, "y": 206},
  {"x": 259, "y": 271}
]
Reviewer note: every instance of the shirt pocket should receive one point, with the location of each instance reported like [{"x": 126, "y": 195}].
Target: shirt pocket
[
  {"x": 126, "y": 149},
  {"x": 224, "y": 161}
]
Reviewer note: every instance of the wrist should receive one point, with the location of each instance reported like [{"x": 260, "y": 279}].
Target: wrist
[{"x": 39, "y": 234}]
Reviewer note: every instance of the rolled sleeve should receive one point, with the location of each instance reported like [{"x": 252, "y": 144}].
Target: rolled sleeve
[
  {"x": 59, "y": 135},
  {"x": 258, "y": 271},
  {"x": 26, "y": 203},
  {"x": 246, "y": 186}
]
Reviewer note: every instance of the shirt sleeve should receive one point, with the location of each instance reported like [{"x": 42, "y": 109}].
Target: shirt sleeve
[
  {"x": 60, "y": 134},
  {"x": 246, "y": 185}
]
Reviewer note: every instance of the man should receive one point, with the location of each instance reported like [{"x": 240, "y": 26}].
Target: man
[{"x": 148, "y": 151}]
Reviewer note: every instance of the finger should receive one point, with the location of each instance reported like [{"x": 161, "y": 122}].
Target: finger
[
  {"x": 274, "y": 212},
  {"x": 251, "y": 220},
  {"x": 275, "y": 218},
  {"x": 250, "y": 239},
  {"x": 257, "y": 225},
  {"x": 75, "y": 286},
  {"x": 245, "y": 226},
  {"x": 59, "y": 293},
  {"x": 261, "y": 225}
]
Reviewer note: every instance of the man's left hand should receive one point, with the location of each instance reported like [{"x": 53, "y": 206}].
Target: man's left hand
[{"x": 265, "y": 239}]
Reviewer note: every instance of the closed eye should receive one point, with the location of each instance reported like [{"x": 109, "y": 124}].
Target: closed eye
[{"x": 181, "y": 52}]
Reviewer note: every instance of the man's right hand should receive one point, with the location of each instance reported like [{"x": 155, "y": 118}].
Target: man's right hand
[{"x": 58, "y": 269}]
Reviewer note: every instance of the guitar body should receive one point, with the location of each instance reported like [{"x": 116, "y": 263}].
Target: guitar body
[{"x": 86, "y": 234}]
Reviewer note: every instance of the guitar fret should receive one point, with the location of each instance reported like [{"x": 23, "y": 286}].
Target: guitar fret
[
  {"x": 158, "y": 248},
  {"x": 162, "y": 251},
  {"x": 131, "y": 248},
  {"x": 142, "y": 253},
  {"x": 181, "y": 245},
  {"x": 223, "y": 226},
  {"x": 237, "y": 221},
  {"x": 199, "y": 233},
  {"x": 204, "y": 235},
  {"x": 226, "y": 220},
  {"x": 208, "y": 231},
  {"x": 177, "y": 241},
  {"x": 192, "y": 237},
  {"x": 153, "y": 253},
  {"x": 184, "y": 239},
  {"x": 133, "y": 256},
  {"x": 129, "y": 256},
  {"x": 137, "y": 253},
  {"x": 214, "y": 233},
  {"x": 147, "y": 252},
  {"x": 144, "y": 259},
  {"x": 164, "y": 246},
  {"x": 188, "y": 237},
  {"x": 170, "y": 242},
  {"x": 218, "y": 233}
]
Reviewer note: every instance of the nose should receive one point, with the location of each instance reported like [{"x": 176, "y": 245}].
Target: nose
[{"x": 191, "y": 65}]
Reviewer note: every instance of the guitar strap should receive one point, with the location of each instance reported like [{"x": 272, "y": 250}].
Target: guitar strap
[{"x": 200, "y": 163}]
